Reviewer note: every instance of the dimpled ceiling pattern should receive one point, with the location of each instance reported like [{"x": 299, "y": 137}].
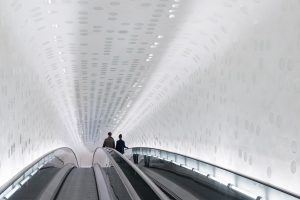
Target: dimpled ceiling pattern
[
  {"x": 216, "y": 80},
  {"x": 96, "y": 57},
  {"x": 227, "y": 90},
  {"x": 71, "y": 70},
  {"x": 93, "y": 55}
]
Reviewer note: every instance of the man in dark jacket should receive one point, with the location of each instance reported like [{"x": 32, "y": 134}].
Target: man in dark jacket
[
  {"x": 109, "y": 141},
  {"x": 121, "y": 145}
]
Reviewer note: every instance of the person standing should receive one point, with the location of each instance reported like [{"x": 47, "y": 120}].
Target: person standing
[
  {"x": 109, "y": 141},
  {"x": 121, "y": 145}
]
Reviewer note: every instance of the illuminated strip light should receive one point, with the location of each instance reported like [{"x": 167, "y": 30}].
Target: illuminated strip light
[
  {"x": 197, "y": 171},
  {"x": 186, "y": 167},
  {"x": 176, "y": 163},
  {"x": 25, "y": 180},
  {"x": 166, "y": 159},
  {"x": 209, "y": 176},
  {"x": 41, "y": 166},
  {"x": 21, "y": 183},
  {"x": 34, "y": 172},
  {"x": 10, "y": 193},
  {"x": 246, "y": 193}
]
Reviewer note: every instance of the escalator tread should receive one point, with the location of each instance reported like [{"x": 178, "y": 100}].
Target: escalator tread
[{"x": 80, "y": 184}]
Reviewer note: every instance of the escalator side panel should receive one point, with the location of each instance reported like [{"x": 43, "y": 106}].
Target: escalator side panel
[
  {"x": 116, "y": 183},
  {"x": 140, "y": 186},
  {"x": 33, "y": 188},
  {"x": 177, "y": 191},
  {"x": 198, "y": 190},
  {"x": 103, "y": 188},
  {"x": 54, "y": 185}
]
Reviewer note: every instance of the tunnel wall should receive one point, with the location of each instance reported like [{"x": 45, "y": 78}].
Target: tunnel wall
[
  {"x": 224, "y": 89},
  {"x": 227, "y": 90},
  {"x": 30, "y": 124}
]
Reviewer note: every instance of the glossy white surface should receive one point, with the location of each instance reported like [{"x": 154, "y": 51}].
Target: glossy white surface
[
  {"x": 227, "y": 90},
  {"x": 216, "y": 80}
]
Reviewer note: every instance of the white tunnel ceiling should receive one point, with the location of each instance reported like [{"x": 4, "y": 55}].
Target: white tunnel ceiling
[
  {"x": 95, "y": 55},
  {"x": 216, "y": 80}
]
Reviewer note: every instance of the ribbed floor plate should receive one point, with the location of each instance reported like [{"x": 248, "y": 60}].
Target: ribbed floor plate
[{"x": 80, "y": 184}]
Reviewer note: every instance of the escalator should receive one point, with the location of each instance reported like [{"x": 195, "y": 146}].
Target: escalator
[
  {"x": 113, "y": 178},
  {"x": 183, "y": 177},
  {"x": 138, "y": 183},
  {"x": 34, "y": 187},
  {"x": 75, "y": 184},
  {"x": 180, "y": 183},
  {"x": 183, "y": 188},
  {"x": 116, "y": 186}
]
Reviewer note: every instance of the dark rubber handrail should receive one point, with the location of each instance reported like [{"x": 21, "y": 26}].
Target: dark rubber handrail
[
  {"x": 21, "y": 173},
  {"x": 228, "y": 170}
]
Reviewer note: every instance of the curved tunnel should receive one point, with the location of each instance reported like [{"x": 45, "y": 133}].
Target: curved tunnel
[{"x": 214, "y": 80}]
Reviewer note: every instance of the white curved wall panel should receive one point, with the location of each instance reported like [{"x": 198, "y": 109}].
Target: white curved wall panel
[
  {"x": 30, "y": 124},
  {"x": 92, "y": 54},
  {"x": 216, "y": 80},
  {"x": 227, "y": 90},
  {"x": 79, "y": 66}
]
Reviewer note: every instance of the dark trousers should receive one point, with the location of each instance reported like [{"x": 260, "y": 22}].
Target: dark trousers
[{"x": 136, "y": 158}]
